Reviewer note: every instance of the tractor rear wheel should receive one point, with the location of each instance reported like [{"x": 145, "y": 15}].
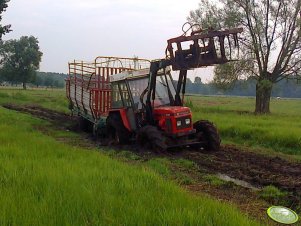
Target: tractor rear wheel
[
  {"x": 150, "y": 137},
  {"x": 117, "y": 132},
  {"x": 208, "y": 133}
]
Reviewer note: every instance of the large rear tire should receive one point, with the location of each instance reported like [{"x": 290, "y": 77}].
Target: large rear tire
[
  {"x": 208, "y": 133},
  {"x": 150, "y": 137},
  {"x": 117, "y": 132}
]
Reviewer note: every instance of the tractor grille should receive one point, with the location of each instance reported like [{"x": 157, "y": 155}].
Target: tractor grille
[{"x": 183, "y": 124}]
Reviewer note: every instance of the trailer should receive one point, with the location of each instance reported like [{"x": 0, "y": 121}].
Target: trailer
[{"x": 88, "y": 86}]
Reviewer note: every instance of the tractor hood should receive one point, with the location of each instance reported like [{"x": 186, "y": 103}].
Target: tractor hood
[
  {"x": 174, "y": 120},
  {"x": 172, "y": 111}
]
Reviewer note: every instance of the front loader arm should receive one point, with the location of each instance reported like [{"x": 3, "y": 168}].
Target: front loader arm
[
  {"x": 207, "y": 48},
  {"x": 151, "y": 89}
]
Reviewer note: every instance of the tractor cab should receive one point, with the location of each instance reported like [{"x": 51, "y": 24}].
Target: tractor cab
[
  {"x": 129, "y": 89},
  {"x": 128, "y": 97}
]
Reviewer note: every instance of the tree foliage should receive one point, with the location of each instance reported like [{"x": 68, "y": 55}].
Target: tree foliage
[
  {"x": 49, "y": 79},
  {"x": 197, "y": 80},
  {"x": 270, "y": 44},
  {"x": 3, "y": 28},
  {"x": 247, "y": 87},
  {"x": 21, "y": 59}
]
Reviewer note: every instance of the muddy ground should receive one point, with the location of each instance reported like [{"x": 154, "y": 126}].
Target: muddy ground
[{"x": 256, "y": 169}]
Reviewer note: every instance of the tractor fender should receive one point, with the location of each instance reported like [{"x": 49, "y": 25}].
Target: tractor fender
[{"x": 123, "y": 116}]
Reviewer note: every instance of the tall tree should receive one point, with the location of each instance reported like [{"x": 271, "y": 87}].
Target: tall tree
[
  {"x": 6, "y": 28},
  {"x": 21, "y": 59},
  {"x": 49, "y": 82},
  {"x": 197, "y": 80},
  {"x": 270, "y": 44}
]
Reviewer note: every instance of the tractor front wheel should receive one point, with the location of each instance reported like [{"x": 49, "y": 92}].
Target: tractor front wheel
[
  {"x": 207, "y": 133},
  {"x": 150, "y": 137}
]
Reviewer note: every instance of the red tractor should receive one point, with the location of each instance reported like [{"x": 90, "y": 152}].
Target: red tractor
[{"x": 131, "y": 99}]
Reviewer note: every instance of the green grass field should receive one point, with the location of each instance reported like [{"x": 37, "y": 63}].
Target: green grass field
[
  {"x": 280, "y": 131},
  {"x": 51, "y": 98},
  {"x": 46, "y": 182}
]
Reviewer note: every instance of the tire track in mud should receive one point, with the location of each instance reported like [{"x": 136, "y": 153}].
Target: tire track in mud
[
  {"x": 58, "y": 118},
  {"x": 257, "y": 169}
]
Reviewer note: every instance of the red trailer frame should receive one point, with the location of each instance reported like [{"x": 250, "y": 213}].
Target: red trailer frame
[{"x": 88, "y": 86}]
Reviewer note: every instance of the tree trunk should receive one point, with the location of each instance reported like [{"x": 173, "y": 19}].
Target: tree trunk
[
  {"x": 24, "y": 85},
  {"x": 263, "y": 96}
]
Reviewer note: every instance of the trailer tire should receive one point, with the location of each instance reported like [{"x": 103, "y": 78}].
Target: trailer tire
[
  {"x": 208, "y": 132},
  {"x": 150, "y": 137},
  {"x": 84, "y": 124},
  {"x": 117, "y": 132}
]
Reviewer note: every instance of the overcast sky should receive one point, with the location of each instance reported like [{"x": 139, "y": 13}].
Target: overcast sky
[{"x": 84, "y": 29}]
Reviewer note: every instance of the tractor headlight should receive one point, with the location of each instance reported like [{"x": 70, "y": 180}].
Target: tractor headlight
[
  {"x": 179, "y": 123},
  {"x": 187, "y": 121}
]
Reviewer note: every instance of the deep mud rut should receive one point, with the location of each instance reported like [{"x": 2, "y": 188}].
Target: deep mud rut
[
  {"x": 254, "y": 168},
  {"x": 40, "y": 112},
  {"x": 60, "y": 119},
  {"x": 257, "y": 169}
]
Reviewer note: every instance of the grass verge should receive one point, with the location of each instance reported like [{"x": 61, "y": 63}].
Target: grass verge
[
  {"x": 234, "y": 117},
  {"x": 43, "y": 182}
]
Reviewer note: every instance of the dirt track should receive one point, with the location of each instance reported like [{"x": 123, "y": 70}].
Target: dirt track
[
  {"x": 58, "y": 118},
  {"x": 259, "y": 170}
]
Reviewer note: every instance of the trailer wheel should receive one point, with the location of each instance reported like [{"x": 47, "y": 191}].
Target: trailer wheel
[
  {"x": 84, "y": 124},
  {"x": 116, "y": 130},
  {"x": 150, "y": 137},
  {"x": 207, "y": 132}
]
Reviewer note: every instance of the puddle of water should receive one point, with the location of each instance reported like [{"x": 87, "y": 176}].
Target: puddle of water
[{"x": 238, "y": 182}]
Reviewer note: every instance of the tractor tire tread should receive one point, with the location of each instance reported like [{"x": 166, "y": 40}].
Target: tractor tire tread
[
  {"x": 115, "y": 125},
  {"x": 210, "y": 133},
  {"x": 152, "y": 137}
]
